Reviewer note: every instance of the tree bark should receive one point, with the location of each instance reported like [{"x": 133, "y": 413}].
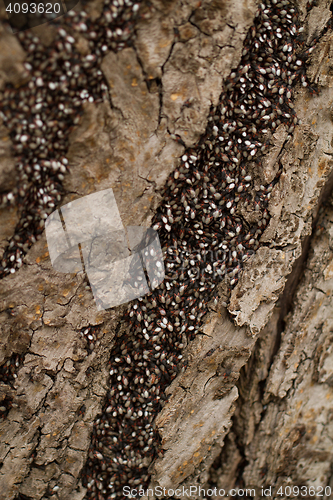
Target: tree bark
[{"x": 252, "y": 407}]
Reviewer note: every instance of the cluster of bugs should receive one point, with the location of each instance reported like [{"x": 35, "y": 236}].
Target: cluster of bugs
[
  {"x": 205, "y": 240},
  {"x": 41, "y": 113},
  {"x": 9, "y": 368},
  {"x": 203, "y": 234},
  {"x": 90, "y": 334},
  {"x": 7, "y": 377}
]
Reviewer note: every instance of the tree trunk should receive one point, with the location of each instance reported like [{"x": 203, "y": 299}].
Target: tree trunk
[{"x": 249, "y": 404}]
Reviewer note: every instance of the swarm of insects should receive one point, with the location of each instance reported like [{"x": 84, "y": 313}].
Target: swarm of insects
[
  {"x": 205, "y": 240},
  {"x": 201, "y": 230},
  {"x": 40, "y": 115}
]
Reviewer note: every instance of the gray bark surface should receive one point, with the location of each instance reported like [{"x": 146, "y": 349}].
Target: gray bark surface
[{"x": 258, "y": 407}]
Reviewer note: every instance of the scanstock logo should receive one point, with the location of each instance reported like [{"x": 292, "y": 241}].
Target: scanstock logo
[{"x": 87, "y": 234}]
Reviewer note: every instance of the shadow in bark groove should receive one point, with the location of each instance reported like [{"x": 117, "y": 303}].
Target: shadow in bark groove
[{"x": 286, "y": 302}]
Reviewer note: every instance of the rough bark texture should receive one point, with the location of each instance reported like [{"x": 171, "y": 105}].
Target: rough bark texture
[{"x": 281, "y": 432}]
